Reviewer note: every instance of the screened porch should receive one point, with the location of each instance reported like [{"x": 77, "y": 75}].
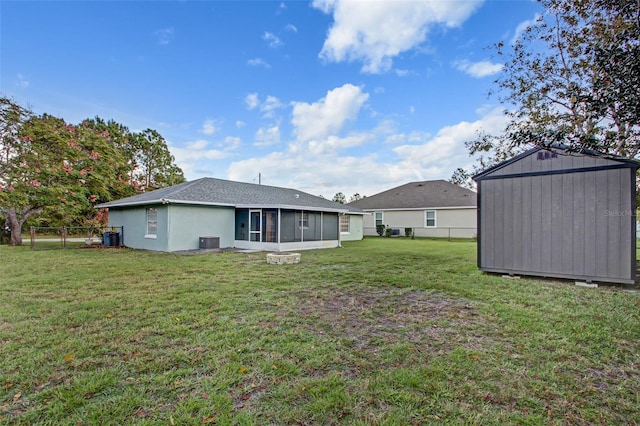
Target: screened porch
[{"x": 285, "y": 229}]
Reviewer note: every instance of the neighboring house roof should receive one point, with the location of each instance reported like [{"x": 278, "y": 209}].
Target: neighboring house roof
[
  {"x": 220, "y": 192},
  {"x": 418, "y": 195}
]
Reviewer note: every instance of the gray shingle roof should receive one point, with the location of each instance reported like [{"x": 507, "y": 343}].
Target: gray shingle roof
[
  {"x": 210, "y": 191},
  {"x": 417, "y": 195}
]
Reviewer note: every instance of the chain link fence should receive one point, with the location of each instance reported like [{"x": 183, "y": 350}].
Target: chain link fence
[
  {"x": 63, "y": 237},
  {"x": 449, "y": 233}
]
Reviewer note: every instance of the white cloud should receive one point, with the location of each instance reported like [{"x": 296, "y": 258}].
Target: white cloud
[
  {"x": 324, "y": 5},
  {"x": 323, "y": 170},
  {"x": 209, "y": 127},
  {"x": 267, "y": 136},
  {"x": 164, "y": 36},
  {"x": 272, "y": 40},
  {"x": 292, "y": 28},
  {"x": 231, "y": 143},
  {"x": 198, "y": 145},
  {"x": 446, "y": 151},
  {"x": 478, "y": 69},
  {"x": 374, "y": 32},
  {"x": 23, "y": 83},
  {"x": 189, "y": 154},
  {"x": 523, "y": 26},
  {"x": 258, "y": 62},
  {"x": 240, "y": 124},
  {"x": 269, "y": 106},
  {"x": 252, "y": 101},
  {"x": 328, "y": 115}
]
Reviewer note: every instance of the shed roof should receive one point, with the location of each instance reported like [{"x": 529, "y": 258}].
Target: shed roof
[
  {"x": 602, "y": 160},
  {"x": 417, "y": 195},
  {"x": 220, "y": 192}
]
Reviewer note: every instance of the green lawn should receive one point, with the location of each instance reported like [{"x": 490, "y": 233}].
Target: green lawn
[{"x": 382, "y": 331}]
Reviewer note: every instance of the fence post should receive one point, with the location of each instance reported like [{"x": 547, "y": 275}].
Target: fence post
[
  {"x": 32, "y": 235},
  {"x": 64, "y": 237}
]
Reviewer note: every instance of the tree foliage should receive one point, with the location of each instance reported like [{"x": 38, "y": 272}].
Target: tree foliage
[
  {"x": 572, "y": 78},
  {"x": 152, "y": 162},
  {"x": 339, "y": 198},
  {"x": 61, "y": 171},
  {"x": 355, "y": 197}
]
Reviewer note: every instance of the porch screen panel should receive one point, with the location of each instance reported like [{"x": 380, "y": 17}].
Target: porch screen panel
[
  {"x": 242, "y": 224},
  {"x": 330, "y": 226},
  {"x": 288, "y": 226},
  {"x": 313, "y": 231},
  {"x": 270, "y": 225}
]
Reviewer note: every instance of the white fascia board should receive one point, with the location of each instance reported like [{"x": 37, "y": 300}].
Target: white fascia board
[
  {"x": 290, "y": 207},
  {"x": 422, "y": 208},
  {"x": 161, "y": 201}
]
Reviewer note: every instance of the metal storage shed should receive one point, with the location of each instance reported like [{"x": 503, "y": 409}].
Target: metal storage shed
[{"x": 554, "y": 213}]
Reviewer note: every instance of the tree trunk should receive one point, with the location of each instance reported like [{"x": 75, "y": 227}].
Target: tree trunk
[
  {"x": 16, "y": 220},
  {"x": 15, "y": 227}
]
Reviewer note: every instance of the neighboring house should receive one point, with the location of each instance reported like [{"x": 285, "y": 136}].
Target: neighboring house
[
  {"x": 434, "y": 208},
  {"x": 554, "y": 213},
  {"x": 219, "y": 213}
]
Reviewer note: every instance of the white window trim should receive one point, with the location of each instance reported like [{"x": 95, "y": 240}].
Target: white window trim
[
  {"x": 348, "y": 220},
  {"x": 435, "y": 219},
  {"x": 375, "y": 221},
  {"x": 302, "y": 221},
  {"x": 147, "y": 235}
]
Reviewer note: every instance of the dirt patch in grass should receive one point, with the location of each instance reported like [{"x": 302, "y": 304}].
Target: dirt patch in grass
[{"x": 376, "y": 317}]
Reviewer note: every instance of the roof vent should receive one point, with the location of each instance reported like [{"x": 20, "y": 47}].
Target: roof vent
[{"x": 297, "y": 195}]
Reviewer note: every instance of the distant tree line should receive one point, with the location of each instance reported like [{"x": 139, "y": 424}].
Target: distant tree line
[
  {"x": 342, "y": 199},
  {"x": 53, "y": 173}
]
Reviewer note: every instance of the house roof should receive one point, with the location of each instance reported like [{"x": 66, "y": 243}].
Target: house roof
[
  {"x": 418, "y": 195},
  {"x": 220, "y": 192}
]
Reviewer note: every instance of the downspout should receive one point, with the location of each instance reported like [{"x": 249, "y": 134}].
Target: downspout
[
  {"x": 279, "y": 227},
  {"x": 339, "y": 235}
]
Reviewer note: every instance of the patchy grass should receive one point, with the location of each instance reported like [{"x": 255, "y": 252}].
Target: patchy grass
[{"x": 383, "y": 331}]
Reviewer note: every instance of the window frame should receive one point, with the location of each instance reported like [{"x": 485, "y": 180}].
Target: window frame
[
  {"x": 149, "y": 233},
  {"x": 347, "y": 221},
  {"x": 375, "y": 218},
  {"x": 303, "y": 220},
  {"x": 427, "y": 219}
]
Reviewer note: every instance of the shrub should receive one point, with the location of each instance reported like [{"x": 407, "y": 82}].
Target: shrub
[
  {"x": 408, "y": 232},
  {"x": 388, "y": 232},
  {"x": 380, "y": 229}
]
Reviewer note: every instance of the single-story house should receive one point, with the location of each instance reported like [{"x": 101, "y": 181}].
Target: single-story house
[
  {"x": 433, "y": 208},
  {"x": 555, "y": 213},
  {"x": 211, "y": 213}
]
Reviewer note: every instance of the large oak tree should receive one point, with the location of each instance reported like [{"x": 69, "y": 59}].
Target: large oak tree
[
  {"x": 61, "y": 171},
  {"x": 571, "y": 78}
]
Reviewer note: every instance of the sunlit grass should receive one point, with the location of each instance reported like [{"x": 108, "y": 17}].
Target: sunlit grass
[{"x": 382, "y": 331}]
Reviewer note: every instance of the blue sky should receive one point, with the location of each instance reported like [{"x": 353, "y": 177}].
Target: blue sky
[{"x": 322, "y": 96}]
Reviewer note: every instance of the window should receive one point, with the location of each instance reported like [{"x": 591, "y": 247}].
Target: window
[
  {"x": 430, "y": 219},
  {"x": 344, "y": 224},
  {"x": 303, "y": 220},
  {"x": 379, "y": 216},
  {"x": 152, "y": 223}
]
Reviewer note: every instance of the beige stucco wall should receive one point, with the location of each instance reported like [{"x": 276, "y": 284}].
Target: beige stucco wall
[{"x": 457, "y": 223}]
